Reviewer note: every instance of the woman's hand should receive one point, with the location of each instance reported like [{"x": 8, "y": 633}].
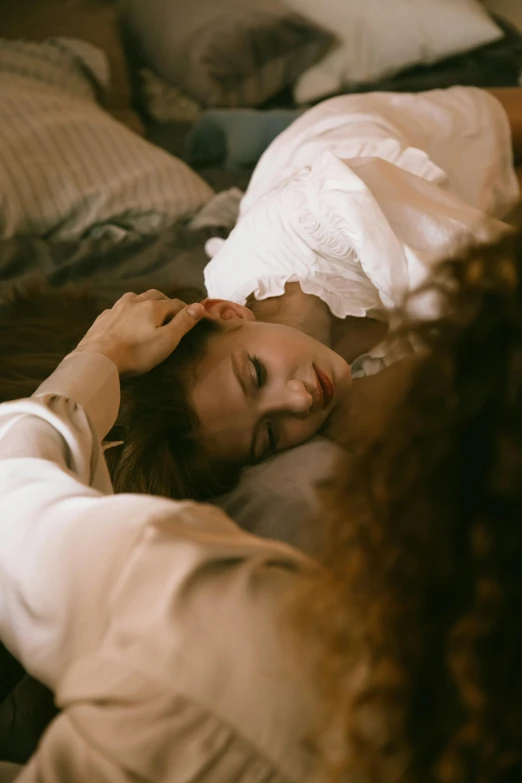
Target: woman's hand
[{"x": 139, "y": 332}]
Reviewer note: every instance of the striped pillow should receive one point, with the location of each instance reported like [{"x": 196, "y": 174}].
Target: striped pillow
[{"x": 67, "y": 168}]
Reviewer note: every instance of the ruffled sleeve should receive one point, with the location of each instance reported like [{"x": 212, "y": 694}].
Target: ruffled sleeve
[{"x": 358, "y": 233}]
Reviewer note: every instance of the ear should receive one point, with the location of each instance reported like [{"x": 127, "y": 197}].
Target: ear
[{"x": 223, "y": 310}]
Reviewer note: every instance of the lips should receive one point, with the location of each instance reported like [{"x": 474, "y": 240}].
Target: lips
[{"x": 325, "y": 385}]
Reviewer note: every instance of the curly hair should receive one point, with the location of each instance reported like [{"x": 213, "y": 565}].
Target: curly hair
[
  {"x": 420, "y": 605},
  {"x": 160, "y": 452}
]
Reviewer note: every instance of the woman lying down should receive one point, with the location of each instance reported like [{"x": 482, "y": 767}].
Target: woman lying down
[{"x": 347, "y": 211}]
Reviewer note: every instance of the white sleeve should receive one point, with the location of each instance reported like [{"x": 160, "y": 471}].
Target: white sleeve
[
  {"x": 361, "y": 195},
  {"x": 359, "y": 234},
  {"x": 61, "y": 539}
]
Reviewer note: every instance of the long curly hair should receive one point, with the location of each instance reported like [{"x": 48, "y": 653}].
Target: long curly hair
[
  {"x": 160, "y": 451},
  {"x": 420, "y": 605}
]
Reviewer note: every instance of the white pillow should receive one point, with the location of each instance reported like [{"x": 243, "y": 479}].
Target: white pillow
[{"x": 380, "y": 37}]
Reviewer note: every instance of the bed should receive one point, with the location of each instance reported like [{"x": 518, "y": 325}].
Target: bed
[{"x": 107, "y": 237}]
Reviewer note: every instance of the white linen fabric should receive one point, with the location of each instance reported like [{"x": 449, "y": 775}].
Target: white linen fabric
[
  {"x": 362, "y": 194},
  {"x": 67, "y": 168},
  {"x": 377, "y": 38},
  {"x": 161, "y": 627}
]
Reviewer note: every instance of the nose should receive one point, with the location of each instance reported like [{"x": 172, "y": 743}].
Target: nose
[{"x": 293, "y": 398}]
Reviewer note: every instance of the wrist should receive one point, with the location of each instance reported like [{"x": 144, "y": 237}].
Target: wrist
[{"x": 103, "y": 349}]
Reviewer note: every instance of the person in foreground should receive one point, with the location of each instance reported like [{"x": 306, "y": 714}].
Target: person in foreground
[{"x": 180, "y": 648}]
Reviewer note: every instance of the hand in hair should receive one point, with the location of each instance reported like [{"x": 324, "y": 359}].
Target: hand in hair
[{"x": 139, "y": 332}]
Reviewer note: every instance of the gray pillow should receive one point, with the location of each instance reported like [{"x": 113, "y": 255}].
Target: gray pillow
[
  {"x": 278, "y": 498},
  {"x": 68, "y": 169},
  {"x": 223, "y": 52}
]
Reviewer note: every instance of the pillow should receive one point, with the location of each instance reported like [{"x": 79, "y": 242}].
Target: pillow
[
  {"x": 224, "y": 53},
  {"x": 278, "y": 498},
  {"x": 68, "y": 169},
  {"x": 377, "y": 38},
  {"x": 94, "y": 21}
]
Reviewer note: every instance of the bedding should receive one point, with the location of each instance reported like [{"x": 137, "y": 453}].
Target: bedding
[
  {"x": 226, "y": 53},
  {"x": 174, "y": 257},
  {"x": 68, "y": 169},
  {"x": 498, "y": 64},
  {"x": 278, "y": 498},
  {"x": 94, "y": 21},
  {"x": 376, "y": 39},
  {"x": 236, "y": 138}
]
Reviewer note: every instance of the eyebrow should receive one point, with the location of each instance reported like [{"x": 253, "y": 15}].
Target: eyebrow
[{"x": 252, "y": 450}]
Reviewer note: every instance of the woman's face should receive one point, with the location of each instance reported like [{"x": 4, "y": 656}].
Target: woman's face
[{"x": 262, "y": 388}]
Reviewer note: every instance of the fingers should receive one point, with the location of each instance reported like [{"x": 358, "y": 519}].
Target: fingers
[
  {"x": 182, "y": 322},
  {"x": 151, "y": 294},
  {"x": 159, "y": 307},
  {"x": 125, "y": 298}
]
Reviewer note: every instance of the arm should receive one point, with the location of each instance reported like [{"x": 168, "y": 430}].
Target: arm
[{"x": 62, "y": 536}]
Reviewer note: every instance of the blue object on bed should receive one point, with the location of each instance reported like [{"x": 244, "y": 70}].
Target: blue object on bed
[{"x": 235, "y": 138}]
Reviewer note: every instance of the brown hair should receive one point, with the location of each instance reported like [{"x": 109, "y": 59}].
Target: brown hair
[
  {"x": 161, "y": 453},
  {"x": 420, "y": 606}
]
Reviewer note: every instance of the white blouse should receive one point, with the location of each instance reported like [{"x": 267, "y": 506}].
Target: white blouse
[
  {"x": 362, "y": 194},
  {"x": 161, "y": 627}
]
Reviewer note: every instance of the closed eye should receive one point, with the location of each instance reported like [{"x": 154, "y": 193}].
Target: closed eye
[{"x": 260, "y": 370}]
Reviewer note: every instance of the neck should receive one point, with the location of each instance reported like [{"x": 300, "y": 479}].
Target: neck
[{"x": 371, "y": 402}]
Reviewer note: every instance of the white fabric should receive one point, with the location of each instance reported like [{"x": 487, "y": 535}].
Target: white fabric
[
  {"x": 361, "y": 195},
  {"x": 161, "y": 627},
  {"x": 377, "y": 38}
]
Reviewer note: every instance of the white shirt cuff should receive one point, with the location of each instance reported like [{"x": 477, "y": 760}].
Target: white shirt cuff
[{"x": 92, "y": 381}]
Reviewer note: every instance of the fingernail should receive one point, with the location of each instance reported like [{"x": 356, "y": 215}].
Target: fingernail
[{"x": 195, "y": 310}]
